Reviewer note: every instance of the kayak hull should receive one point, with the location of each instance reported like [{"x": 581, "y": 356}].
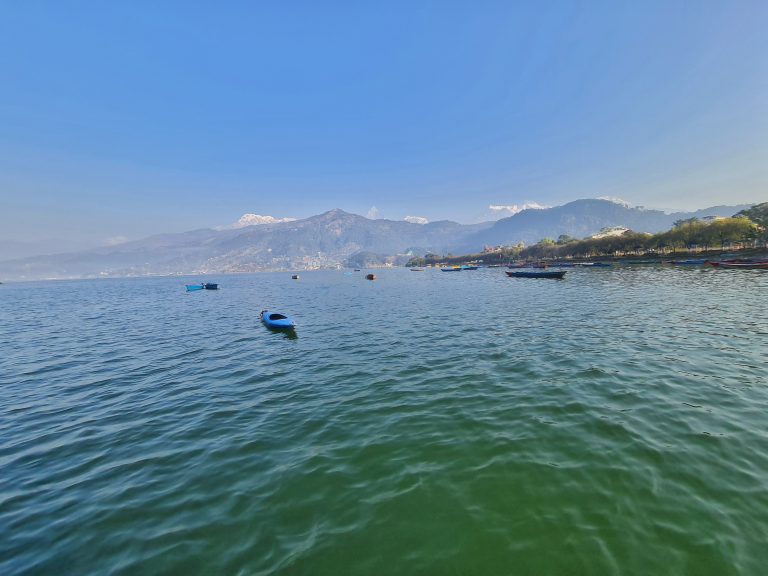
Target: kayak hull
[{"x": 277, "y": 321}]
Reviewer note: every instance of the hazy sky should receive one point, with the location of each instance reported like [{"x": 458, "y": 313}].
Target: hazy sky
[{"x": 121, "y": 119}]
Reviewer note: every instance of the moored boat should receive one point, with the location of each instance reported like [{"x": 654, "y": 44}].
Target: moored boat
[
  {"x": 417, "y": 269},
  {"x": 690, "y": 262},
  {"x": 744, "y": 265},
  {"x": 740, "y": 262},
  {"x": 451, "y": 269},
  {"x": 469, "y": 267},
  {"x": 276, "y": 321},
  {"x": 555, "y": 274}
]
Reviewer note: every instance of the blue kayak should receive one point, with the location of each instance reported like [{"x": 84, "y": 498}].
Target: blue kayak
[{"x": 275, "y": 320}]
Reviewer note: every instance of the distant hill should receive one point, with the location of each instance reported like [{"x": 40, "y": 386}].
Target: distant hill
[
  {"x": 580, "y": 219},
  {"x": 322, "y": 241}
]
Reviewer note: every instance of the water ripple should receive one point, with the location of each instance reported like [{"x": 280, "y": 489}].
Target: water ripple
[{"x": 611, "y": 423}]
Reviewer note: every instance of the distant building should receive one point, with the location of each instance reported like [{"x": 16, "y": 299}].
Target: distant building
[{"x": 608, "y": 232}]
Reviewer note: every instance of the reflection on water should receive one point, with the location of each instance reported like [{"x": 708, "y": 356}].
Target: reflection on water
[{"x": 288, "y": 333}]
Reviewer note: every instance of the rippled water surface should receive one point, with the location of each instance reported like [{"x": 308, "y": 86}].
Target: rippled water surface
[{"x": 615, "y": 422}]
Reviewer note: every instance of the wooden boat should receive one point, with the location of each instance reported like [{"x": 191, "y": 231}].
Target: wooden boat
[
  {"x": 370, "y": 276},
  {"x": 640, "y": 262},
  {"x": 276, "y": 321},
  {"x": 556, "y": 274},
  {"x": 690, "y": 262},
  {"x": 195, "y": 287},
  {"x": 717, "y": 263},
  {"x": 744, "y": 265}
]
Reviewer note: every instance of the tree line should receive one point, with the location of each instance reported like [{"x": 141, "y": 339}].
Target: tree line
[{"x": 744, "y": 230}]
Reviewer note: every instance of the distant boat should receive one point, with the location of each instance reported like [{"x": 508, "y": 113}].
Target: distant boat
[
  {"x": 295, "y": 277},
  {"x": 558, "y": 274},
  {"x": 739, "y": 261},
  {"x": 194, "y": 287},
  {"x": 370, "y": 276},
  {"x": 469, "y": 267},
  {"x": 451, "y": 269},
  {"x": 211, "y": 286},
  {"x": 276, "y": 321},
  {"x": 690, "y": 262},
  {"x": 744, "y": 265},
  {"x": 417, "y": 269}
]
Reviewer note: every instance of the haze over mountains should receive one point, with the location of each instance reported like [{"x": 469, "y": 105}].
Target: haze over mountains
[{"x": 336, "y": 238}]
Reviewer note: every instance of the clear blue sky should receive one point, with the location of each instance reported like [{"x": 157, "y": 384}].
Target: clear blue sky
[{"x": 129, "y": 118}]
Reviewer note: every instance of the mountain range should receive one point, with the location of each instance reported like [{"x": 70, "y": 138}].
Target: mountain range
[{"x": 337, "y": 238}]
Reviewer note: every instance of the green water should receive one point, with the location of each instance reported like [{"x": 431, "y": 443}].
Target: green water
[{"x": 614, "y": 422}]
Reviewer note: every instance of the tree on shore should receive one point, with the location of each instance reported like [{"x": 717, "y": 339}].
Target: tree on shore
[{"x": 690, "y": 234}]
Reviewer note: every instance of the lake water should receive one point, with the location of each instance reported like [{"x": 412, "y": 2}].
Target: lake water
[{"x": 615, "y": 422}]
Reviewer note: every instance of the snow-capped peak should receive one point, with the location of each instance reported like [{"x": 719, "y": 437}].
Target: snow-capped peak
[
  {"x": 255, "y": 220},
  {"x": 616, "y": 200}
]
